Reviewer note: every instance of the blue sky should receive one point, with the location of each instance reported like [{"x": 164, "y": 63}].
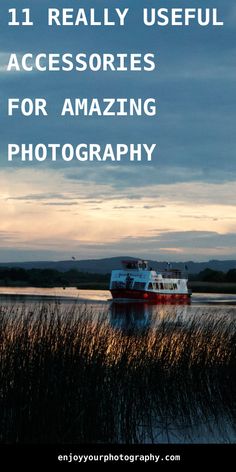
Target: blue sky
[{"x": 184, "y": 198}]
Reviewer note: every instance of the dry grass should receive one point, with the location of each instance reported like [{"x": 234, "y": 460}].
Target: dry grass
[{"x": 66, "y": 378}]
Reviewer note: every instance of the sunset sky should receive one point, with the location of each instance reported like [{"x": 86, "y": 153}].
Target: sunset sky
[{"x": 180, "y": 206}]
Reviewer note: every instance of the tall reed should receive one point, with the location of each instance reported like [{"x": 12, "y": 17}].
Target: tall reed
[{"x": 68, "y": 376}]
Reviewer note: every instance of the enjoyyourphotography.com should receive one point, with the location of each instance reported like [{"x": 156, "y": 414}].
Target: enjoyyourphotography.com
[{"x": 129, "y": 458}]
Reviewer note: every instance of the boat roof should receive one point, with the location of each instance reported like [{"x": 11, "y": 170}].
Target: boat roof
[{"x": 135, "y": 264}]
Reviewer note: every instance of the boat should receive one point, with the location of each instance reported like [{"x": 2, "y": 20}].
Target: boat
[{"x": 136, "y": 281}]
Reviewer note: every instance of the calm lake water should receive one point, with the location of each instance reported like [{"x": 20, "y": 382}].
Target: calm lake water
[
  {"x": 97, "y": 296},
  {"x": 122, "y": 314}
]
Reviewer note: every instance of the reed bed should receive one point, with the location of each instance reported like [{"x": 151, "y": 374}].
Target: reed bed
[{"x": 67, "y": 376}]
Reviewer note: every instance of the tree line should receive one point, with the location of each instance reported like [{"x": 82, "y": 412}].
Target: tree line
[
  {"x": 49, "y": 278},
  {"x": 73, "y": 278},
  {"x": 210, "y": 275}
]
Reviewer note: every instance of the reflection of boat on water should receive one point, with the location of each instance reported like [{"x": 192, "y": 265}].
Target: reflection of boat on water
[
  {"x": 137, "y": 282},
  {"x": 134, "y": 315},
  {"x": 130, "y": 316}
]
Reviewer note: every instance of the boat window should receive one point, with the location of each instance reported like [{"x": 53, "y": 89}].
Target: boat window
[
  {"x": 150, "y": 286},
  {"x": 161, "y": 287},
  {"x": 117, "y": 285}
]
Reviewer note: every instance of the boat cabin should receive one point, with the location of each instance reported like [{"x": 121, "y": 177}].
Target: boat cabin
[{"x": 135, "y": 265}]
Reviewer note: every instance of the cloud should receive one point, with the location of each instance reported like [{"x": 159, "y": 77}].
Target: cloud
[
  {"x": 3, "y": 61},
  {"x": 8, "y": 236},
  {"x": 179, "y": 245},
  {"x": 190, "y": 185},
  {"x": 124, "y": 178},
  {"x": 182, "y": 245},
  {"x": 193, "y": 84},
  {"x": 123, "y": 207},
  {"x": 41, "y": 197},
  {"x": 94, "y": 202},
  {"x": 60, "y": 203},
  {"x": 150, "y": 207},
  {"x": 13, "y": 73}
]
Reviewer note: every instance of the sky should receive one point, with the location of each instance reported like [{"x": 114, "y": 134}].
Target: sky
[{"x": 181, "y": 206}]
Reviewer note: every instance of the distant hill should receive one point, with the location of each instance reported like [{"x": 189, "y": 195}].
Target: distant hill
[{"x": 105, "y": 266}]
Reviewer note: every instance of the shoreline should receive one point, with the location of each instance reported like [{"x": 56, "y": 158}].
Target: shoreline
[
  {"x": 92, "y": 296},
  {"x": 196, "y": 287}
]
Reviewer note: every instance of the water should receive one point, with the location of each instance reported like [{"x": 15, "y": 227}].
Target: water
[
  {"x": 9, "y": 294},
  {"x": 64, "y": 295},
  {"x": 125, "y": 315}
]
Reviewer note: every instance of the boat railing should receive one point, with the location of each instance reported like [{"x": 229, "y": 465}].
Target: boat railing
[{"x": 174, "y": 274}]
